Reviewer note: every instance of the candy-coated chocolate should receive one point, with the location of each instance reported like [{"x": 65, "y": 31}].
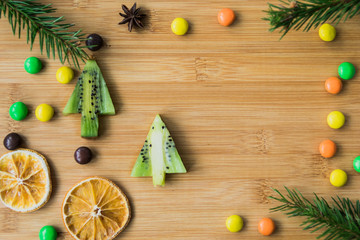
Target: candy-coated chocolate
[
  {"x": 44, "y": 112},
  {"x": 266, "y": 226},
  {"x": 226, "y": 16},
  {"x": 83, "y": 155},
  {"x": 356, "y": 164},
  {"x": 234, "y": 223},
  {"x": 327, "y": 32},
  {"x": 94, "y": 42},
  {"x": 327, "y": 148},
  {"x": 333, "y": 85},
  {"x": 179, "y": 26},
  {"x": 338, "y": 178},
  {"x": 346, "y": 70},
  {"x": 32, "y": 65},
  {"x": 12, "y": 141},
  {"x": 18, "y": 111},
  {"x": 48, "y": 233},
  {"x": 64, "y": 75},
  {"x": 336, "y": 119}
]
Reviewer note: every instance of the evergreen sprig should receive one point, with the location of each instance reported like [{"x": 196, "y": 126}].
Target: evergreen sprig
[
  {"x": 54, "y": 35},
  {"x": 340, "y": 220},
  {"x": 309, "y": 14}
]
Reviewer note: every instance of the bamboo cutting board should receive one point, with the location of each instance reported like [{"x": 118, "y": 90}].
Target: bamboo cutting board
[{"x": 246, "y": 111}]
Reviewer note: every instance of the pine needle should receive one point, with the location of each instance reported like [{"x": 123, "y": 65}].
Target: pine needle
[
  {"x": 307, "y": 14},
  {"x": 340, "y": 220},
  {"x": 54, "y": 35}
]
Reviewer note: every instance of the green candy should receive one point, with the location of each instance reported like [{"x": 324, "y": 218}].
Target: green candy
[
  {"x": 356, "y": 164},
  {"x": 18, "y": 111},
  {"x": 346, "y": 70},
  {"x": 32, "y": 65},
  {"x": 47, "y": 233}
]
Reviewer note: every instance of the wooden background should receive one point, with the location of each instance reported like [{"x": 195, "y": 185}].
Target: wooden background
[{"x": 246, "y": 111}]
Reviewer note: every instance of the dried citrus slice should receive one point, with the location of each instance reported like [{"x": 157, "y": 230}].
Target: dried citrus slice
[
  {"x": 25, "y": 183},
  {"x": 95, "y": 209}
]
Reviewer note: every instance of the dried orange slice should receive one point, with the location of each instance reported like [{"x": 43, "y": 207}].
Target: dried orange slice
[
  {"x": 25, "y": 183},
  {"x": 95, "y": 209}
]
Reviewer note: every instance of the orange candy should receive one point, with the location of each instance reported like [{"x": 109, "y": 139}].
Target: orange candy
[
  {"x": 327, "y": 148},
  {"x": 333, "y": 85},
  {"x": 226, "y": 16},
  {"x": 266, "y": 226}
]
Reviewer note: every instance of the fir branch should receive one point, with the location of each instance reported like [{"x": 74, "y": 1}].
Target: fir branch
[
  {"x": 54, "y": 35},
  {"x": 341, "y": 220},
  {"x": 309, "y": 14}
]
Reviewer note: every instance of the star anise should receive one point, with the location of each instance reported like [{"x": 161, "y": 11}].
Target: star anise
[{"x": 132, "y": 17}]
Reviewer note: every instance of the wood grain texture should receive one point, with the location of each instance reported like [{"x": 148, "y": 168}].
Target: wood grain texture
[{"x": 246, "y": 111}]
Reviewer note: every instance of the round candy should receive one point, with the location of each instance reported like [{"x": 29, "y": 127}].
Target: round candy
[
  {"x": 327, "y": 32},
  {"x": 18, "y": 111},
  {"x": 356, "y": 164},
  {"x": 83, "y": 155},
  {"x": 12, "y": 141},
  {"x": 32, "y": 65},
  {"x": 327, "y": 148},
  {"x": 44, "y": 112},
  {"x": 333, "y": 85},
  {"x": 335, "y": 119},
  {"x": 338, "y": 178},
  {"x": 179, "y": 26},
  {"x": 346, "y": 70},
  {"x": 234, "y": 223},
  {"x": 266, "y": 226},
  {"x": 226, "y": 16},
  {"x": 94, "y": 40},
  {"x": 64, "y": 75},
  {"x": 47, "y": 233}
]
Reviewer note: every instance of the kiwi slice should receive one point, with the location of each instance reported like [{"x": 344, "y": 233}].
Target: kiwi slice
[
  {"x": 91, "y": 98},
  {"x": 158, "y": 155}
]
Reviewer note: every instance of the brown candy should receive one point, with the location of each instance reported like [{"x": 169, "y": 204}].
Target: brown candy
[{"x": 83, "y": 155}]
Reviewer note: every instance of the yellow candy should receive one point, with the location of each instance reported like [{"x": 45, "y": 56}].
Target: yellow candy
[
  {"x": 335, "y": 119},
  {"x": 64, "y": 75},
  {"x": 179, "y": 26},
  {"x": 338, "y": 178},
  {"x": 327, "y": 32},
  {"x": 234, "y": 223},
  {"x": 44, "y": 112}
]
